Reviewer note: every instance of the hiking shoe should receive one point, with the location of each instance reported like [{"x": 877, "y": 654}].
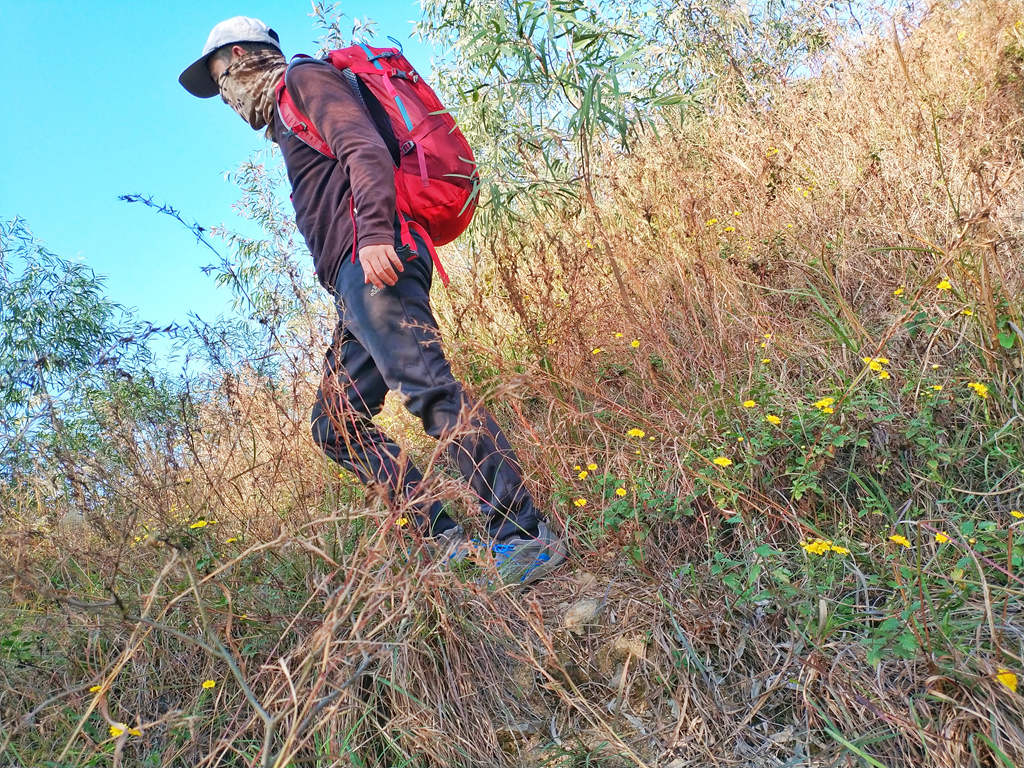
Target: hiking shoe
[
  {"x": 450, "y": 547},
  {"x": 525, "y": 559}
]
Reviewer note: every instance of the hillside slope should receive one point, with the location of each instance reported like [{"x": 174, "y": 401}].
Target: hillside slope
[{"x": 810, "y": 398}]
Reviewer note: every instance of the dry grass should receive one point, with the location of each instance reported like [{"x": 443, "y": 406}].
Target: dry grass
[{"x": 691, "y": 628}]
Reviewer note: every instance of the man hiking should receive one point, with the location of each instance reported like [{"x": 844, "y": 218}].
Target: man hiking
[{"x": 386, "y": 336}]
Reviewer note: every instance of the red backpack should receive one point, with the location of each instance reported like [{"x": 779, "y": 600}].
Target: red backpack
[{"x": 435, "y": 174}]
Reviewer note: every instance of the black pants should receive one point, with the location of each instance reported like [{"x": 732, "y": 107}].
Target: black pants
[{"x": 388, "y": 339}]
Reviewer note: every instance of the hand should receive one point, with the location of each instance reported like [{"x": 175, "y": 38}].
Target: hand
[{"x": 381, "y": 265}]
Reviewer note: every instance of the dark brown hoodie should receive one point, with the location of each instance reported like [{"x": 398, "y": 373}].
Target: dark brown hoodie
[{"x": 323, "y": 187}]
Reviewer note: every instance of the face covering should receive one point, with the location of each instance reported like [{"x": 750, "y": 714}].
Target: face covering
[{"x": 248, "y": 86}]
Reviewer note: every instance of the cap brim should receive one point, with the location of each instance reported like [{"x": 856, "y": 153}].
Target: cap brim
[{"x": 197, "y": 81}]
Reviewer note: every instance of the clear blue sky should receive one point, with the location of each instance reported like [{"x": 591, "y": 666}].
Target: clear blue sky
[{"x": 93, "y": 109}]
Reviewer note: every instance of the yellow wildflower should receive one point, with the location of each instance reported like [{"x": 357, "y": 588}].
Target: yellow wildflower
[
  {"x": 200, "y": 524},
  {"x": 710, "y": 222},
  {"x": 209, "y": 684},
  {"x": 944, "y": 285},
  {"x": 816, "y": 547},
  {"x": 577, "y": 467},
  {"x": 967, "y": 312},
  {"x": 750, "y": 404},
  {"x": 95, "y": 688},
  {"x": 981, "y": 390},
  {"x": 941, "y": 538},
  {"x": 582, "y": 475},
  {"x": 618, "y": 335},
  {"x": 722, "y": 461},
  {"x": 898, "y": 291},
  {"x": 1007, "y": 678},
  {"x": 118, "y": 728},
  {"x": 937, "y": 387},
  {"x": 821, "y": 546},
  {"x": 596, "y": 351},
  {"x": 580, "y": 502},
  {"x": 620, "y": 491},
  {"x": 635, "y": 433},
  {"x": 1017, "y": 513},
  {"x": 634, "y": 343},
  {"x": 825, "y": 404},
  {"x": 231, "y": 540},
  {"x": 773, "y": 419},
  {"x": 875, "y": 364},
  {"x": 728, "y": 229},
  {"x": 591, "y": 466},
  {"x": 400, "y": 522},
  {"x": 901, "y": 540}
]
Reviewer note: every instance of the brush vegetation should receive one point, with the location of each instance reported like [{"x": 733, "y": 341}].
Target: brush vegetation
[{"x": 744, "y": 291}]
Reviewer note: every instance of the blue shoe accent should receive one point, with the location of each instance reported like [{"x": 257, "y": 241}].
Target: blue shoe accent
[{"x": 523, "y": 559}]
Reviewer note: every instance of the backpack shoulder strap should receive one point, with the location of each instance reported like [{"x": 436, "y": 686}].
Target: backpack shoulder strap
[
  {"x": 302, "y": 127},
  {"x": 377, "y": 113},
  {"x": 295, "y": 121}
]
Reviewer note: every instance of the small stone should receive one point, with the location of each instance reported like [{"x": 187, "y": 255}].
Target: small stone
[
  {"x": 629, "y": 645},
  {"x": 523, "y": 678},
  {"x": 580, "y": 614},
  {"x": 616, "y": 679},
  {"x": 587, "y": 581},
  {"x": 520, "y": 729}
]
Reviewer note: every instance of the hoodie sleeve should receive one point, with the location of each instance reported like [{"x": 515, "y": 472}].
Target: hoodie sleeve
[{"x": 321, "y": 93}]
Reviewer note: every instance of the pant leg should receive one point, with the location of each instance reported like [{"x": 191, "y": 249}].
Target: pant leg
[
  {"x": 397, "y": 328},
  {"x": 351, "y": 393}
]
